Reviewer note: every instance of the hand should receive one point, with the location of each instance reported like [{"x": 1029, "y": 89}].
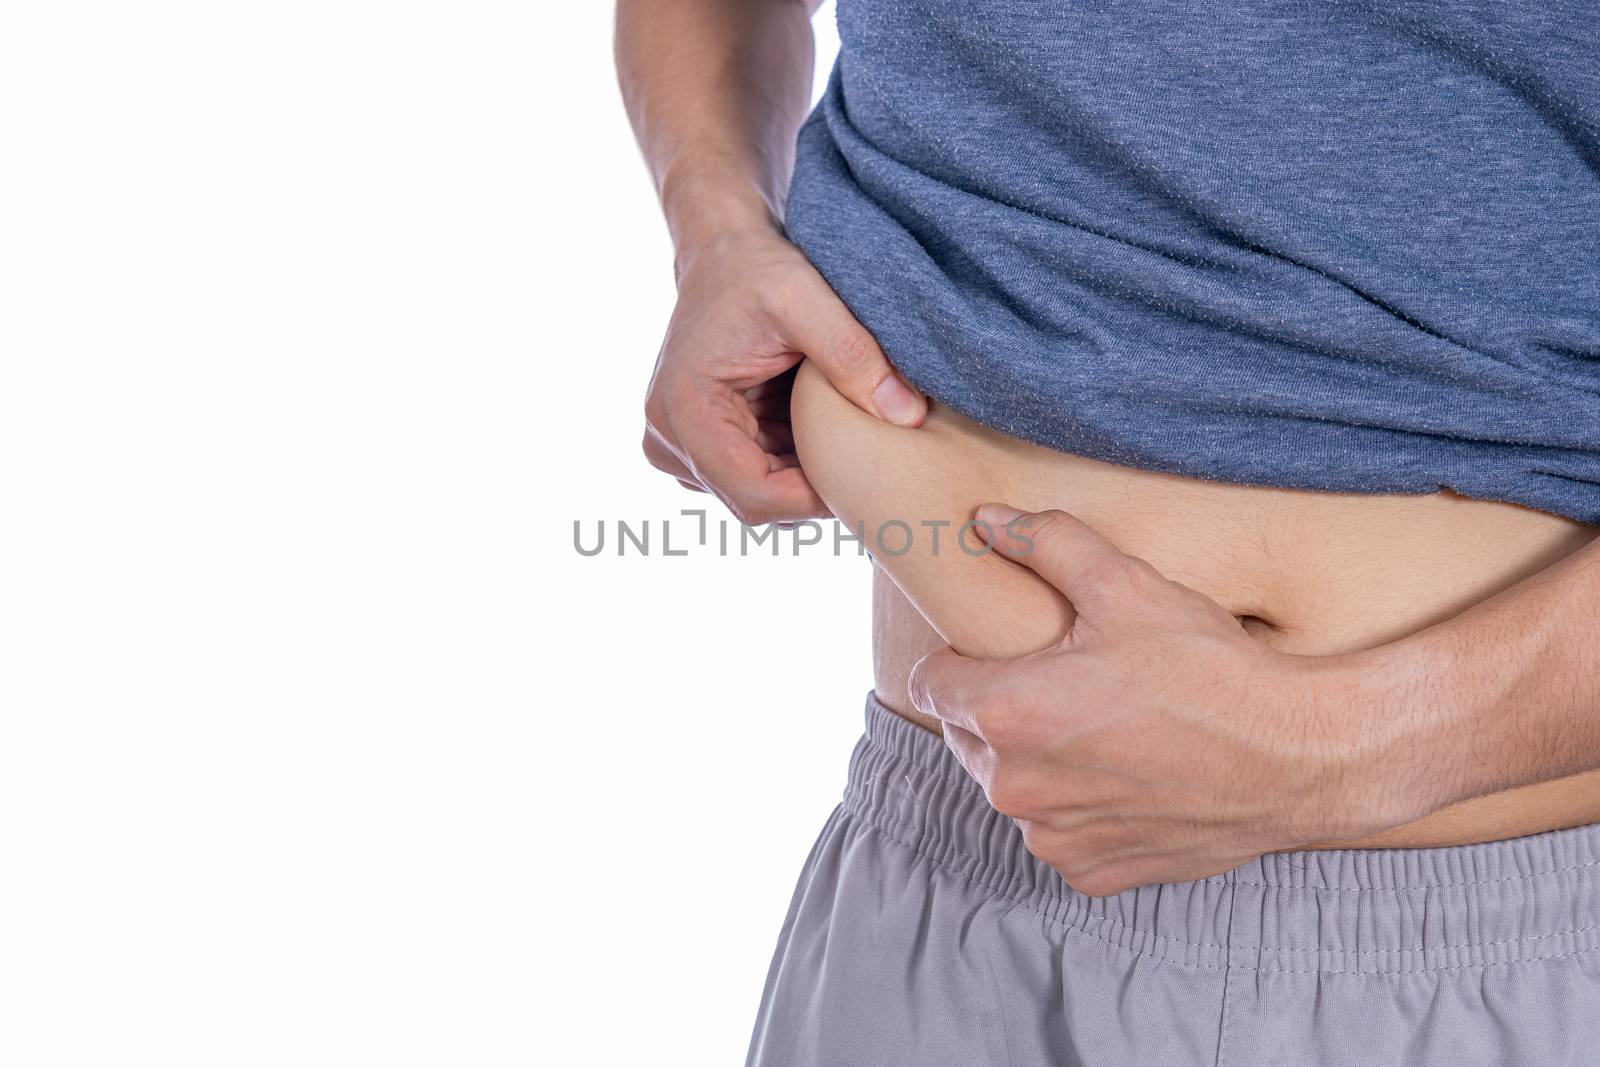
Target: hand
[
  {"x": 1158, "y": 741},
  {"x": 717, "y": 415}
]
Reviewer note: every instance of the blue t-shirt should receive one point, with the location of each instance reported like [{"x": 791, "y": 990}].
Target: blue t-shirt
[{"x": 1348, "y": 246}]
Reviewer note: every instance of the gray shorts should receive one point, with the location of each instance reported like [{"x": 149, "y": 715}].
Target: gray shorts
[{"x": 923, "y": 933}]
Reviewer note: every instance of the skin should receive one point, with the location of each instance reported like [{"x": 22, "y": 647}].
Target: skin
[
  {"x": 1276, "y": 751},
  {"x": 1181, "y": 675},
  {"x": 1230, "y": 692},
  {"x": 716, "y": 90}
]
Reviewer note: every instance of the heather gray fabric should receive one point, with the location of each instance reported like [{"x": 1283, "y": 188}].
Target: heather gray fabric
[
  {"x": 923, "y": 934},
  {"x": 1346, "y": 245}
]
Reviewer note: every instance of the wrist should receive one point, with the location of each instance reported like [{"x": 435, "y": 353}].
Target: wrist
[
  {"x": 1391, "y": 736},
  {"x": 709, "y": 203}
]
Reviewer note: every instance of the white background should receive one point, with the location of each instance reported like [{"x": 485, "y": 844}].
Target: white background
[{"x": 320, "y": 323}]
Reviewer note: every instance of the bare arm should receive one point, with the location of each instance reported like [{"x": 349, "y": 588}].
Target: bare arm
[
  {"x": 716, "y": 90},
  {"x": 1505, "y": 694}
]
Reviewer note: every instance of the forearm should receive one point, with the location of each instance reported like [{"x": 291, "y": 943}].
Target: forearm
[
  {"x": 716, "y": 90},
  {"x": 1505, "y": 694}
]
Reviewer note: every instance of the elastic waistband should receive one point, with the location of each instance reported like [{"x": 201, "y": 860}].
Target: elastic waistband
[{"x": 1333, "y": 910}]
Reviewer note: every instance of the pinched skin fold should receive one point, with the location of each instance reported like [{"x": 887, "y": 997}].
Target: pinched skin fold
[{"x": 1306, "y": 572}]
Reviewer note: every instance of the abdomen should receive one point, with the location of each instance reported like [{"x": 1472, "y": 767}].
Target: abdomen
[{"x": 1307, "y": 572}]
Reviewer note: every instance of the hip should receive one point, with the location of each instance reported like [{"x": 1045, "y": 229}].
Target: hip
[{"x": 923, "y": 932}]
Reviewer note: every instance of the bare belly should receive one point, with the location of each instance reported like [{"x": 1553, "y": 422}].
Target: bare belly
[{"x": 1305, "y": 572}]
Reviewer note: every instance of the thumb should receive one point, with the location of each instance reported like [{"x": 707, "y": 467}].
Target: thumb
[
  {"x": 1066, "y": 552},
  {"x": 851, "y": 360},
  {"x": 954, "y": 689}
]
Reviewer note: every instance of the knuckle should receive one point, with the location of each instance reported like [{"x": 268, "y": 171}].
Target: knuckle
[
  {"x": 656, "y": 453},
  {"x": 787, "y": 292},
  {"x": 853, "y": 352},
  {"x": 1051, "y": 522},
  {"x": 1141, "y": 572},
  {"x": 1010, "y": 795},
  {"x": 750, "y": 513},
  {"x": 748, "y": 506},
  {"x": 920, "y": 684},
  {"x": 931, "y": 687},
  {"x": 1040, "y": 843},
  {"x": 1097, "y": 882},
  {"x": 998, "y": 721},
  {"x": 1007, "y": 722},
  {"x": 667, "y": 396},
  {"x": 1052, "y": 848},
  {"x": 655, "y": 414},
  {"x": 1001, "y": 800},
  {"x": 1115, "y": 570},
  {"x": 990, "y": 715}
]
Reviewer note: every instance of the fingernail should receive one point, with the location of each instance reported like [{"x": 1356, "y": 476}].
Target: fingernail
[
  {"x": 895, "y": 401},
  {"x": 998, "y": 516}
]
